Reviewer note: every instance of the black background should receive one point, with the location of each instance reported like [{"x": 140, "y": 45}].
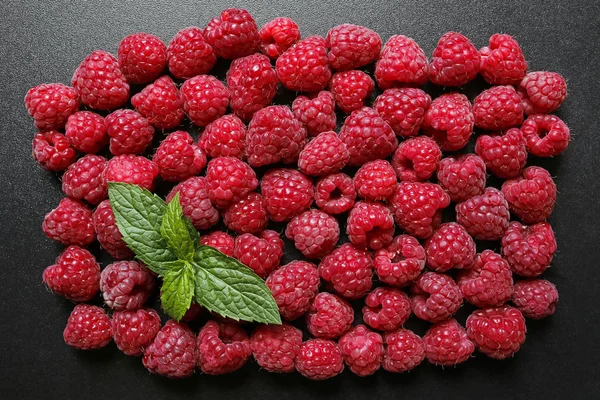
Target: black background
[{"x": 45, "y": 41}]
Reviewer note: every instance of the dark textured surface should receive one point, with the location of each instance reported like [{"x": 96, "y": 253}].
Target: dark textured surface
[{"x": 44, "y": 42}]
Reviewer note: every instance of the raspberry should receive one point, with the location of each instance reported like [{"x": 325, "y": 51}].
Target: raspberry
[
  {"x": 488, "y": 283},
  {"x": 447, "y": 344},
  {"x": 205, "y": 99},
  {"x": 375, "y": 180},
  {"x": 316, "y": 112},
  {"x": 192, "y": 313},
  {"x": 274, "y": 135},
  {"x": 224, "y": 137},
  {"x": 261, "y": 252},
  {"x": 133, "y": 331},
  {"x": 277, "y": 36},
  {"x": 74, "y": 275},
  {"x": 142, "y": 57},
  {"x": 160, "y": 103},
  {"x": 351, "y": 89},
  {"x": 455, "y": 61},
  {"x": 51, "y": 104},
  {"x": 195, "y": 203},
  {"x": 229, "y": 180},
  {"x": 462, "y": 177},
  {"x": 314, "y": 233},
  {"x": 400, "y": 262},
  {"x": 178, "y": 157},
  {"x": 189, "y": 54},
  {"x": 100, "y": 83},
  {"x": 88, "y": 328},
  {"x": 248, "y": 215},
  {"x": 435, "y": 297},
  {"x": 173, "y": 352},
  {"x": 86, "y": 132},
  {"x": 362, "y": 350},
  {"x": 352, "y": 46},
  {"x": 386, "y": 309},
  {"x": 222, "y": 348},
  {"x": 53, "y": 151},
  {"x": 505, "y": 155},
  {"x": 126, "y": 285},
  {"x": 287, "y": 193},
  {"x": 546, "y": 135},
  {"x": 232, "y": 34},
  {"x": 502, "y": 62},
  {"x": 498, "y": 108},
  {"x": 401, "y": 63},
  {"x": 449, "y": 120},
  {"x": 70, "y": 223},
  {"x": 370, "y": 225},
  {"x": 326, "y": 154},
  {"x": 531, "y": 196},
  {"x": 535, "y": 298},
  {"x": 484, "y": 216},
  {"x": 83, "y": 180},
  {"x": 329, "y": 316},
  {"x": 304, "y": 67},
  {"x": 294, "y": 286},
  {"x": 108, "y": 233},
  {"x": 220, "y": 241},
  {"x": 403, "y": 109},
  {"x": 542, "y": 92},
  {"x": 129, "y": 131},
  {"x": 348, "y": 270},
  {"x": 416, "y": 159},
  {"x": 133, "y": 169},
  {"x": 335, "y": 193},
  {"x": 528, "y": 249},
  {"x": 497, "y": 332},
  {"x": 404, "y": 351},
  {"x": 367, "y": 136},
  {"x": 417, "y": 207},
  {"x": 275, "y": 347},
  {"x": 252, "y": 82},
  {"x": 319, "y": 359},
  {"x": 449, "y": 247}
]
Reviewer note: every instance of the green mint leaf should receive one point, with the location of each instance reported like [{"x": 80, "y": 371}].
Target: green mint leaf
[
  {"x": 180, "y": 236},
  {"x": 177, "y": 289}
]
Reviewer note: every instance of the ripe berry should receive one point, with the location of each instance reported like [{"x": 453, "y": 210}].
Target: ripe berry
[
  {"x": 449, "y": 247},
  {"x": 160, "y": 103},
  {"x": 348, "y": 270},
  {"x": 229, "y": 180},
  {"x": 142, "y": 57},
  {"x": 362, "y": 350},
  {"x": 449, "y": 120},
  {"x": 505, "y": 155},
  {"x": 304, "y": 66},
  {"x": 224, "y": 137},
  {"x": 75, "y": 275},
  {"x": 462, "y": 177},
  {"x": 351, "y": 89},
  {"x": 88, "y": 328},
  {"x": 528, "y": 249},
  {"x": 129, "y": 168},
  {"x": 205, "y": 99},
  {"x": 319, "y": 359},
  {"x": 488, "y": 283},
  {"x": 109, "y": 236},
  {"x": 502, "y": 62},
  {"x": 275, "y": 347},
  {"x": 375, "y": 180},
  {"x": 220, "y": 241},
  {"x": 294, "y": 286},
  {"x": 535, "y": 298},
  {"x": 277, "y": 36},
  {"x": 498, "y": 108},
  {"x": 401, "y": 63},
  {"x": 546, "y": 135},
  {"x": 248, "y": 215},
  {"x": 416, "y": 159},
  {"x": 287, "y": 193},
  {"x": 403, "y": 109},
  {"x": 316, "y": 112},
  {"x": 70, "y": 223},
  {"x": 329, "y": 316},
  {"x": 129, "y": 132},
  {"x": 195, "y": 203},
  {"x": 484, "y": 216},
  {"x": 261, "y": 252},
  {"x": 335, "y": 193},
  {"x": 222, "y": 348},
  {"x": 455, "y": 61},
  {"x": 531, "y": 196},
  {"x": 352, "y": 46},
  {"x": 370, "y": 225},
  {"x": 404, "y": 350},
  {"x": 83, "y": 180},
  {"x": 133, "y": 331},
  {"x": 178, "y": 157},
  {"x": 126, "y": 285},
  {"x": 53, "y": 151},
  {"x": 51, "y": 104},
  {"x": 232, "y": 34},
  {"x": 86, "y": 132},
  {"x": 386, "y": 309},
  {"x": 497, "y": 332},
  {"x": 435, "y": 297},
  {"x": 314, "y": 233},
  {"x": 173, "y": 352},
  {"x": 401, "y": 262},
  {"x": 189, "y": 54},
  {"x": 542, "y": 92},
  {"x": 447, "y": 344},
  {"x": 324, "y": 155}
]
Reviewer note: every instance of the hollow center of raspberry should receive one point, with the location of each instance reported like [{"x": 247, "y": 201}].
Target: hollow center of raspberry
[
  {"x": 543, "y": 132},
  {"x": 397, "y": 257},
  {"x": 336, "y": 194},
  {"x": 407, "y": 164}
]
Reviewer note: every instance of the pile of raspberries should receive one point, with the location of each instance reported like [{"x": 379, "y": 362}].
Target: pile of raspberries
[{"x": 391, "y": 169}]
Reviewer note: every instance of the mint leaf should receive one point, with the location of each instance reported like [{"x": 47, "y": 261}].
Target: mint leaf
[
  {"x": 180, "y": 236},
  {"x": 178, "y": 289}
]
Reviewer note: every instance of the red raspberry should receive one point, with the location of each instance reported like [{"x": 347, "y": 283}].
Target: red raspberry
[
  {"x": 375, "y": 180},
  {"x": 229, "y": 180},
  {"x": 275, "y": 347},
  {"x": 404, "y": 351},
  {"x": 528, "y": 249},
  {"x": 484, "y": 216},
  {"x": 86, "y": 132},
  {"x": 447, "y": 344},
  {"x": 329, "y": 316},
  {"x": 497, "y": 332},
  {"x": 455, "y": 61},
  {"x": 502, "y": 62},
  {"x": 126, "y": 285},
  {"x": 173, "y": 352},
  {"x": 351, "y": 89},
  {"x": 109, "y": 236},
  {"x": 542, "y": 92},
  {"x": 193, "y": 312},
  {"x": 417, "y": 207},
  {"x": 224, "y": 137},
  {"x": 546, "y": 135},
  {"x": 352, "y": 46},
  {"x": 294, "y": 286},
  {"x": 277, "y": 36},
  {"x": 70, "y": 223},
  {"x": 450, "y": 121},
  {"x": 287, "y": 193},
  {"x": 133, "y": 331},
  {"x": 505, "y": 155},
  {"x": 314, "y": 233},
  {"x": 316, "y": 112},
  {"x": 88, "y": 328},
  {"x": 498, "y": 108},
  {"x": 248, "y": 215},
  {"x": 324, "y": 155},
  {"x": 51, "y": 104},
  {"x": 142, "y": 57},
  {"x": 416, "y": 159},
  {"x": 74, "y": 275},
  {"x": 449, "y": 247},
  {"x": 52, "y": 150},
  {"x": 386, "y": 309},
  {"x": 160, "y": 102},
  {"x": 99, "y": 81},
  {"x": 535, "y": 298},
  {"x": 222, "y": 348},
  {"x": 232, "y": 34},
  {"x": 488, "y": 283},
  {"x": 205, "y": 99},
  {"x": 196, "y": 205},
  {"x": 362, "y": 350},
  {"x": 262, "y": 252},
  {"x": 403, "y": 109},
  {"x": 319, "y": 359},
  {"x": 400, "y": 262},
  {"x": 435, "y": 297},
  {"x": 129, "y": 131},
  {"x": 189, "y": 54},
  {"x": 367, "y": 136},
  {"x": 220, "y": 241},
  {"x": 401, "y": 63},
  {"x": 304, "y": 67},
  {"x": 531, "y": 196},
  {"x": 370, "y": 225},
  {"x": 335, "y": 193},
  {"x": 83, "y": 180},
  {"x": 462, "y": 177},
  {"x": 133, "y": 169},
  {"x": 178, "y": 157},
  {"x": 348, "y": 270}
]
